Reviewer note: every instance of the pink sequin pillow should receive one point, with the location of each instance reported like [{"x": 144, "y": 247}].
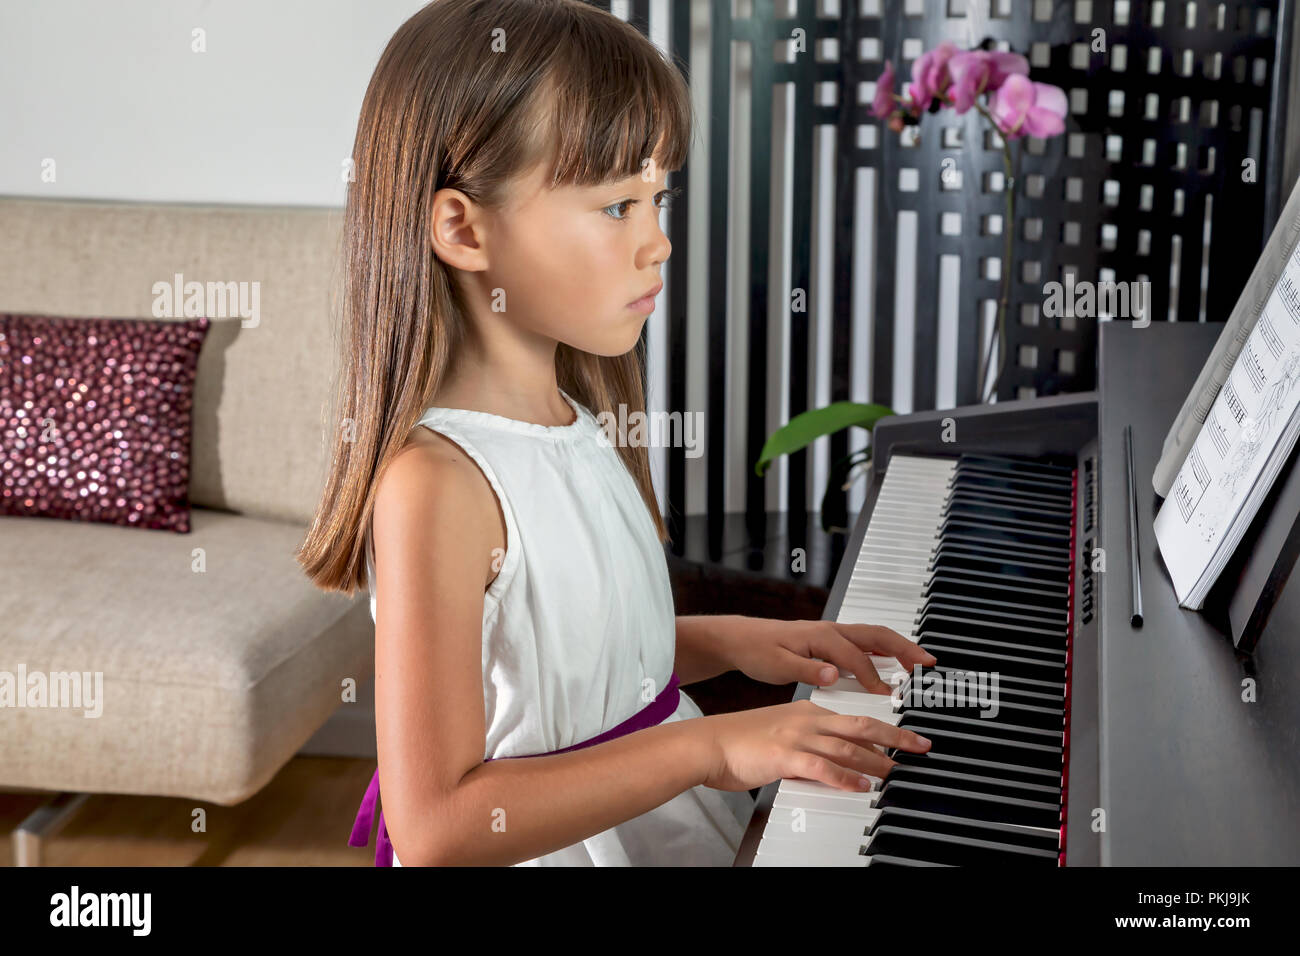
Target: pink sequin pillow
[{"x": 95, "y": 418}]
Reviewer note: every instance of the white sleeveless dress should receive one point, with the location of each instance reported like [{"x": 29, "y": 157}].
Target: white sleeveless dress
[{"x": 578, "y": 621}]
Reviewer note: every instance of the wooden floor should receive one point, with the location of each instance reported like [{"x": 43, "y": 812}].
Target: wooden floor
[{"x": 303, "y": 817}]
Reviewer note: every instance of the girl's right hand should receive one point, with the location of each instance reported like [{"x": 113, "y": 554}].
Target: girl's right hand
[{"x": 751, "y": 748}]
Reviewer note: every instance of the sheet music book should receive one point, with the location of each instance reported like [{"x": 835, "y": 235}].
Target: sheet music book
[
  {"x": 1187, "y": 423},
  {"x": 1246, "y": 436}
]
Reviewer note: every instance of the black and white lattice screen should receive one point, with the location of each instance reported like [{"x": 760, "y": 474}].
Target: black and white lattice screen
[{"x": 1169, "y": 171}]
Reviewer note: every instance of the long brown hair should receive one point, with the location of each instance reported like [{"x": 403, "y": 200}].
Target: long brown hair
[{"x": 467, "y": 95}]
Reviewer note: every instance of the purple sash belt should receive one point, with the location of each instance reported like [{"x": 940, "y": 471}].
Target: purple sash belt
[{"x": 655, "y": 712}]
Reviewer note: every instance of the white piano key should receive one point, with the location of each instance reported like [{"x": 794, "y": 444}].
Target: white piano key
[
  {"x": 780, "y": 855},
  {"x": 824, "y": 828},
  {"x": 888, "y": 668},
  {"x": 825, "y": 804},
  {"x": 848, "y": 682},
  {"x": 851, "y": 835},
  {"x": 899, "y": 602},
  {"x": 782, "y": 819},
  {"x": 857, "y": 705},
  {"x": 856, "y": 694},
  {"x": 794, "y": 787}
]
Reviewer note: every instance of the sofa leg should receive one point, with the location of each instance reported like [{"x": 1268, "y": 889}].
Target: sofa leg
[{"x": 41, "y": 826}]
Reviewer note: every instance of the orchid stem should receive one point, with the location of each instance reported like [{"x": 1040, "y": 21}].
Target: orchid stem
[{"x": 1008, "y": 231}]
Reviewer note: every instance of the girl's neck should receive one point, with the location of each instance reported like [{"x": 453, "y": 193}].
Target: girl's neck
[{"x": 509, "y": 404}]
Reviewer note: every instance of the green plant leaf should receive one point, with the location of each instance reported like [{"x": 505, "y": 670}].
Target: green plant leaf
[{"x": 807, "y": 427}]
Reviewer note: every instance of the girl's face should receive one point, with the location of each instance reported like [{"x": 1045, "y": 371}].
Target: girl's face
[{"x": 569, "y": 263}]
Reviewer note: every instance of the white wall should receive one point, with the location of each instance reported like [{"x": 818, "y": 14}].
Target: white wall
[{"x": 113, "y": 92}]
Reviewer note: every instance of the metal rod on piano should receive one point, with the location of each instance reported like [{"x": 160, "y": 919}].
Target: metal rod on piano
[{"x": 1134, "y": 553}]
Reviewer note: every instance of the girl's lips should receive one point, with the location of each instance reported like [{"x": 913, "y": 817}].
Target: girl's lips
[
  {"x": 646, "y": 304},
  {"x": 650, "y": 294}
]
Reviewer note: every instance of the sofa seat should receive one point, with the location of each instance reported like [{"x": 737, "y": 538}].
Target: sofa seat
[{"x": 212, "y": 679}]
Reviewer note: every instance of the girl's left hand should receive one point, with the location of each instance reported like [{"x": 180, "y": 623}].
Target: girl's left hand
[{"x": 780, "y": 652}]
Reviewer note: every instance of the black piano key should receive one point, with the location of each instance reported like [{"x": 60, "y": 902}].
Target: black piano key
[
  {"x": 964, "y": 696},
  {"x": 976, "y": 783},
  {"x": 955, "y": 850},
  {"x": 988, "y": 768},
  {"x": 986, "y": 610},
  {"x": 1025, "y": 569},
  {"x": 974, "y": 538},
  {"x": 991, "y": 483},
  {"x": 983, "y": 496},
  {"x": 1007, "y": 635},
  {"x": 1056, "y": 593},
  {"x": 887, "y": 859},
  {"x": 980, "y": 619},
  {"x": 964, "y": 803},
  {"x": 969, "y": 466},
  {"x": 1008, "y": 531},
  {"x": 964, "y": 658},
  {"x": 988, "y": 745},
  {"x": 971, "y": 723},
  {"x": 1033, "y": 466},
  {"x": 947, "y": 570},
  {"x": 903, "y": 818},
  {"x": 1005, "y": 519},
  {"x": 1046, "y": 691},
  {"x": 980, "y": 503},
  {"x": 963, "y": 584},
  {"x": 1029, "y": 715},
  {"x": 1027, "y": 488},
  {"x": 1008, "y": 505},
  {"x": 1045, "y": 651},
  {"x": 1014, "y": 553}
]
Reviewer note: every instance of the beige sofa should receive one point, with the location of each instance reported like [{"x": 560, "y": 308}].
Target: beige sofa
[{"x": 212, "y": 680}]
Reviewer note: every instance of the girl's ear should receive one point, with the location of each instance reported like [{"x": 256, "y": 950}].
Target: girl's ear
[{"x": 458, "y": 231}]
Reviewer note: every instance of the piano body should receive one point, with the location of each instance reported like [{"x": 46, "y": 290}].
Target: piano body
[{"x": 1110, "y": 745}]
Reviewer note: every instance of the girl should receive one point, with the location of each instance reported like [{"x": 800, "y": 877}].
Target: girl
[{"x": 502, "y": 248}]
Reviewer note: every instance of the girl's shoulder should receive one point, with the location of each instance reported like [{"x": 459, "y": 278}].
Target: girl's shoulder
[{"x": 431, "y": 480}]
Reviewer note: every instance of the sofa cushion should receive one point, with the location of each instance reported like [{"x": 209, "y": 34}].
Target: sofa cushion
[
  {"x": 219, "y": 658},
  {"x": 263, "y": 387},
  {"x": 95, "y": 418}
]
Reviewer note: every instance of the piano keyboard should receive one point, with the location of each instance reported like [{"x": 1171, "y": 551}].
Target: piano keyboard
[{"x": 971, "y": 558}]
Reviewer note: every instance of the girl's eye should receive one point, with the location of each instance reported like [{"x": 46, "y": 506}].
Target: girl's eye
[
  {"x": 664, "y": 199},
  {"x": 668, "y": 196},
  {"x": 618, "y": 205}
]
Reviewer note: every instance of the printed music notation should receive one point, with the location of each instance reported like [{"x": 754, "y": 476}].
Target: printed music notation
[{"x": 1247, "y": 434}]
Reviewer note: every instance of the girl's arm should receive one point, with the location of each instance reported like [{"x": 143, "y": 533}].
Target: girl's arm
[
  {"x": 434, "y": 525},
  {"x": 702, "y": 646},
  {"x": 506, "y": 811}
]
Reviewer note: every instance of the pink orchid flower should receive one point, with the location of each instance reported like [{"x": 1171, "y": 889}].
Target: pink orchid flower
[
  {"x": 883, "y": 103},
  {"x": 981, "y": 71},
  {"x": 930, "y": 76},
  {"x": 1022, "y": 107}
]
